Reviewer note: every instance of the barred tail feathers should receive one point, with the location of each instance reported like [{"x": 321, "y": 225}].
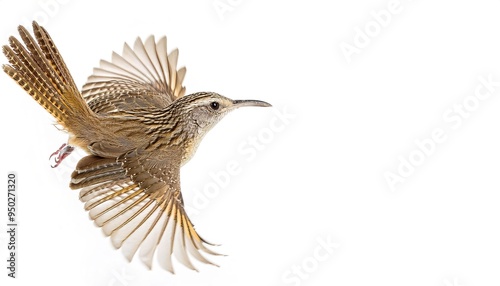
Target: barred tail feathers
[{"x": 40, "y": 70}]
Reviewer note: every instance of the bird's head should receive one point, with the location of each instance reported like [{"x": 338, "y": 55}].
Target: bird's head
[{"x": 204, "y": 109}]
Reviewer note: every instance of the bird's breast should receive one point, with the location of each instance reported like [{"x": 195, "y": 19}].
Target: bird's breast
[{"x": 190, "y": 147}]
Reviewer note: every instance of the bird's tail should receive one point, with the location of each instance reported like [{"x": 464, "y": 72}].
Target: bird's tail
[{"x": 40, "y": 70}]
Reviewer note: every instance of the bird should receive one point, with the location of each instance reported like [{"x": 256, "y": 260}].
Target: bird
[{"x": 137, "y": 128}]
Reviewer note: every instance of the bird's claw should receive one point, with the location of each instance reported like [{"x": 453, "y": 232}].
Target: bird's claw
[{"x": 61, "y": 153}]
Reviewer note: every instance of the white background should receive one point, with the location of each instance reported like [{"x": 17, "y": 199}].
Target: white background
[{"x": 318, "y": 177}]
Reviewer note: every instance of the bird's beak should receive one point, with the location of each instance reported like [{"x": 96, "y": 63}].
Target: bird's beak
[{"x": 241, "y": 103}]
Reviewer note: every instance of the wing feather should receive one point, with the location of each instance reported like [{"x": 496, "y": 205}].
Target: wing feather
[
  {"x": 143, "y": 211},
  {"x": 143, "y": 76}
]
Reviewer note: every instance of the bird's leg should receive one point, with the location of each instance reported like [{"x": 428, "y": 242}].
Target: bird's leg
[{"x": 61, "y": 153}]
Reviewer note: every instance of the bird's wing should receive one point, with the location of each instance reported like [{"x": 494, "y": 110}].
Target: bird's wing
[
  {"x": 142, "y": 76},
  {"x": 136, "y": 199}
]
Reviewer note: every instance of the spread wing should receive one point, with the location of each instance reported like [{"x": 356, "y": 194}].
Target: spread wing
[
  {"x": 136, "y": 199},
  {"x": 144, "y": 76}
]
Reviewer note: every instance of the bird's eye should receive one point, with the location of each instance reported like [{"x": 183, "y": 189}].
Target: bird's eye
[{"x": 214, "y": 105}]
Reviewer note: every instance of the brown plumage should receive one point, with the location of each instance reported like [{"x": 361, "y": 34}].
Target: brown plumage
[{"x": 138, "y": 128}]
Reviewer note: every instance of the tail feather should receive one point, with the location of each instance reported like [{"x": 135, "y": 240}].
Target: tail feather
[
  {"x": 40, "y": 57},
  {"x": 40, "y": 70},
  {"x": 26, "y": 72},
  {"x": 51, "y": 53}
]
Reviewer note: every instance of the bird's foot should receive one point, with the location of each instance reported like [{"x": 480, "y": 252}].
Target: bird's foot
[{"x": 61, "y": 153}]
